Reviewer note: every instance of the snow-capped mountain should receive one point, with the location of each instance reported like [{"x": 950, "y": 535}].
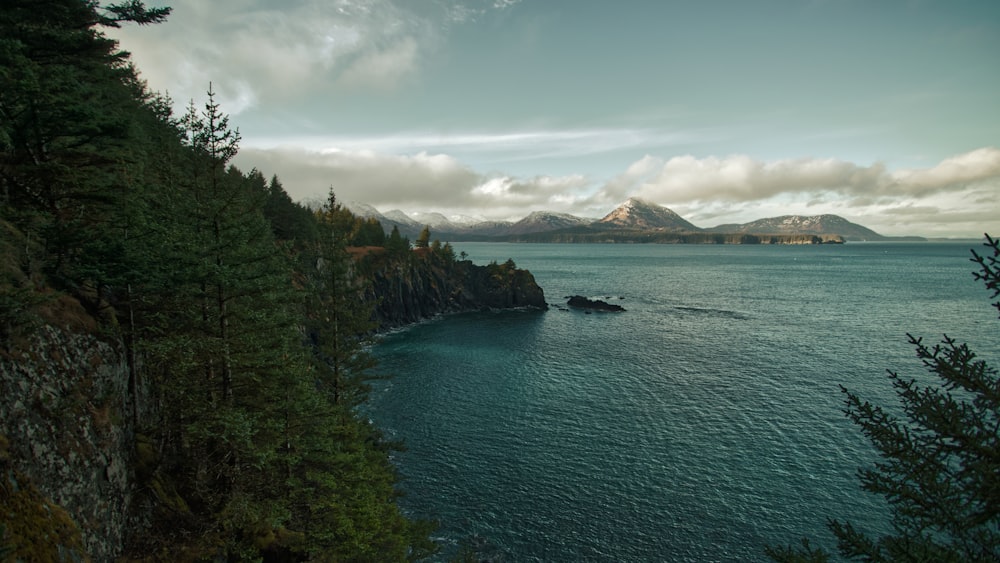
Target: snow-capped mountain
[
  {"x": 640, "y": 214},
  {"x": 402, "y": 219},
  {"x": 804, "y": 225},
  {"x": 635, "y": 214},
  {"x": 542, "y": 221}
]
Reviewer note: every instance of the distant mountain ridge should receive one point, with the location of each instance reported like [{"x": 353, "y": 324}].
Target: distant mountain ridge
[
  {"x": 803, "y": 225},
  {"x": 634, "y": 216},
  {"x": 543, "y": 221}
]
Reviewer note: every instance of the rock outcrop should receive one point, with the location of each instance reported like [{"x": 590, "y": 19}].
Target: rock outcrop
[
  {"x": 580, "y": 302},
  {"x": 420, "y": 287}
]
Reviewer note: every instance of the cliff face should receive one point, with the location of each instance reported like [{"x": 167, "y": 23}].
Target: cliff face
[
  {"x": 407, "y": 291},
  {"x": 66, "y": 445}
]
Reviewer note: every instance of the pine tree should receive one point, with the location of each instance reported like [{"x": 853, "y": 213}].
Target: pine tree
[
  {"x": 228, "y": 352},
  {"x": 424, "y": 238},
  {"x": 258, "y": 448},
  {"x": 290, "y": 221},
  {"x": 76, "y": 125},
  {"x": 396, "y": 244},
  {"x": 342, "y": 320},
  {"x": 66, "y": 105}
]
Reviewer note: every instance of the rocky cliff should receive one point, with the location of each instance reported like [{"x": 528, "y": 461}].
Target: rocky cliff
[
  {"x": 423, "y": 286},
  {"x": 66, "y": 446}
]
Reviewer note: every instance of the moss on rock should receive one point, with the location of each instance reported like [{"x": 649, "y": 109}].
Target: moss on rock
[{"x": 37, "y": 529}]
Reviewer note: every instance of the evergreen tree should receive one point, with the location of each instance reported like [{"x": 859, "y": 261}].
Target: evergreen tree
[
  {"x": 66, "y": 106},
  {"x": 258, "y": 449},
  {"x": 423, "y": 239},
  {"x": 396, "y": 244},
  {"x": 228, "y": 351},
  {"x": 940, "y": 458},
  {"x": 368, "y": 232},
  {"x": 77, "y": 129},
  {"x": 448, "y": 252},
  {"x": 290, "y": 221},
  {"x": 342, "y": 319}
]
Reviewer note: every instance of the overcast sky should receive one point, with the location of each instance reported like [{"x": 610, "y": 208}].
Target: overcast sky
[{"x": 884, "y": 112}]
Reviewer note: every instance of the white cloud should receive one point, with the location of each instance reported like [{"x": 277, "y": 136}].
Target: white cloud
[
  {"x": 961, "y": 190},
  {"x": 961, "y": 195},
  {"x": 497, "y": 147},
  {"x": 382, "y": 68},
  {"x": 276, "y": 51},
  {"x": 420, "y": 182},
  {"x": 739, "y": 178},
  {"x": 972, "y": 168},
  {"x": 539, "y": 190},
  {"x": 366, "y": 176}
]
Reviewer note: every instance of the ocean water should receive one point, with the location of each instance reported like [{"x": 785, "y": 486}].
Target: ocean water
[{"x": 701, "y": 424}]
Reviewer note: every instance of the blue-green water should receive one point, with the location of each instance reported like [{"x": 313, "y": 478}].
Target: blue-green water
[{"x": 700, "y": 425}]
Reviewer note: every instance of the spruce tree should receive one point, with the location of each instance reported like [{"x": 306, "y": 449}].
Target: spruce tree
[
  {"x": 396, "y": 244},
  {"x": 342, "y": 320},
  {"x": 63, "y": 115},
  {"x": 227, "y": 353}
]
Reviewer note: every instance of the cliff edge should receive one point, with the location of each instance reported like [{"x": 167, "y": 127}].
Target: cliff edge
[{"x": 423, "y": 285}]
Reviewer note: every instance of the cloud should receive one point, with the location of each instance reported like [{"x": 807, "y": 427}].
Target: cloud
[
  {"x": 972, "y": 168},
  {"x": 497, "y": 148},
  {"x": 366, "y": 176},
  {"x": 739, "y": 178},
  {"x": 275, "y": 51},
  {"x": 473, "y": 10},
  {"x": 382, "y": 68},
  {"x": 961, "y": 194},
  {"x": 530, "y": 192},
  {"x": 419, "y": 182}
]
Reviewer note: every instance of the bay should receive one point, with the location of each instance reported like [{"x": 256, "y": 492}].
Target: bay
[{"x": 701, "y": 424}]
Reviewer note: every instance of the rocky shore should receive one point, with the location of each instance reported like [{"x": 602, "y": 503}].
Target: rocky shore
[{"x": 421, "y": 287}]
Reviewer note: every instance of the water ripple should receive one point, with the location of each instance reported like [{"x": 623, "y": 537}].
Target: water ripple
[{"x": 700, "y": 425}]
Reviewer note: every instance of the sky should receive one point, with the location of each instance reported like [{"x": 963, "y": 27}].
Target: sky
[{"x": 884, "y": 112}]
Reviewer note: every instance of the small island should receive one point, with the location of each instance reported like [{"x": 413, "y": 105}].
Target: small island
[{"x": 580, "y": 302}]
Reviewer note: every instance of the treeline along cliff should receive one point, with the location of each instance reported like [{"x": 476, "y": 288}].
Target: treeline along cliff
[{"x": 182, "y": 347}]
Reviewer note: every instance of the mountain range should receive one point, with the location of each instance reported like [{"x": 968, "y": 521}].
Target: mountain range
[{"x": 633, "y": 216}]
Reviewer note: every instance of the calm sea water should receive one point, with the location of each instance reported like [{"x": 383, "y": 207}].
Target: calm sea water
[{"x": 701, "y": 424}]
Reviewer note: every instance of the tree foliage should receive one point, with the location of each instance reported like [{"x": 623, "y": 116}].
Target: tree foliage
[
  {"x": 424, "y": 238},
  {"x": 238, "y": 307},
  {"x": 342, "y": 325},
  {"x": 939, "y": 466}
]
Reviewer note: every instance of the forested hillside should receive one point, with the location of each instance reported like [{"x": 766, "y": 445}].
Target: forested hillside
[{"x": 236, "y": 315}]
